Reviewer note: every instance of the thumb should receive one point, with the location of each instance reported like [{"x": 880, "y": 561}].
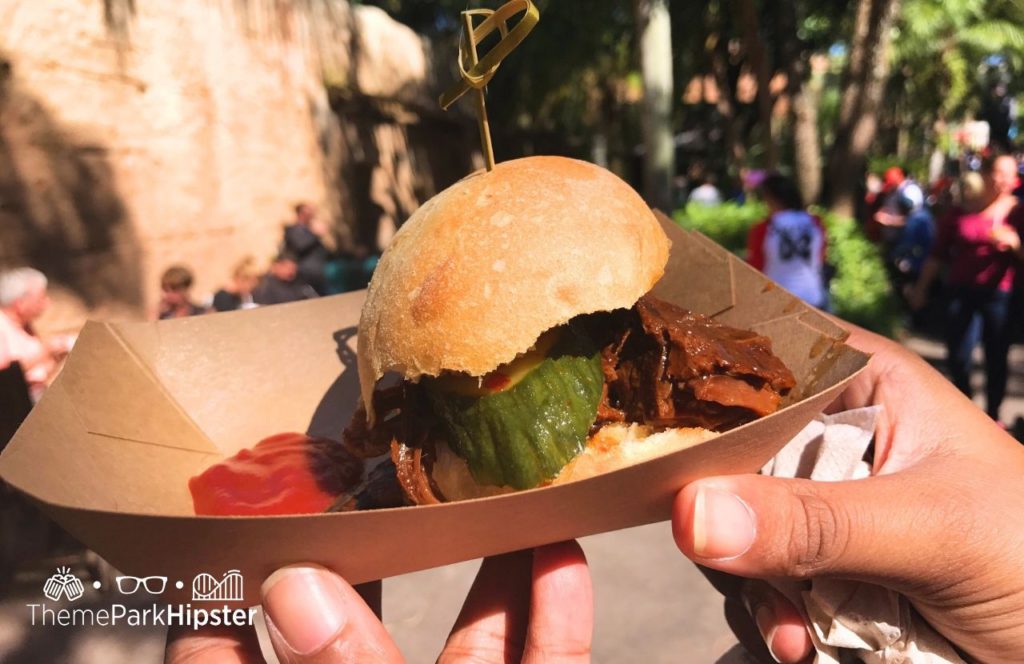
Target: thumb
[
  {"x": 762, "y": 527},
  {"x": 314, "y": 616}
]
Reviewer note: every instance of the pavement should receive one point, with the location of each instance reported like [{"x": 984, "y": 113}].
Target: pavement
[
  {"x": 1012, "y": 412},
  {"x": 651, "y": 604}
]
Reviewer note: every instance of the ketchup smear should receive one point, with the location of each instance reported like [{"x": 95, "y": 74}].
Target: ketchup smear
[{"x": 289, "y": 473}]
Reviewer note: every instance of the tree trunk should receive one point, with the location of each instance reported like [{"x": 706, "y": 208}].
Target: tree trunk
[
  {"x": 735, "y": 148},
  {"x": 655, "y": 39},
  {"x": 806, "y": 142},
  {"x": 866, "y": 71},
  {"x": 805, "y": 81},
  {"x": 751, "y": 34}
]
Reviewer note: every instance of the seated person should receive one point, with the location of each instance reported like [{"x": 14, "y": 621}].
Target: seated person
[
  {"x": 23, "y": 299},
  {"x": 281, "y": 283},
  {"x": 304, "y": 239},
  {"x": 175, "y": 294},
  {"x": 238, "y": 295}
]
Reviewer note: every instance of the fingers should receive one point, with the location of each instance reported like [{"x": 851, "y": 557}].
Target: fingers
[
  {"x": 777, "y": 622},
  {"x": 760, "y": 527},
  {"x": 561, "y": 607},
  {"x": 535, "y": 607},
  {"x": 493, "y": 620},
  {"x": 313, "y": 616},
  {"x": 763, "y": 620},
  {"x": 214, "y": 645}
]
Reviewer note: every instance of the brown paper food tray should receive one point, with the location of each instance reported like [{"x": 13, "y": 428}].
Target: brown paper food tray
[{"x": 142, "y": 407}]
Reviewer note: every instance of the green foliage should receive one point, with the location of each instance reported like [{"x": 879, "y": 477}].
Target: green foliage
[
  {"x": 727, "y": 224},
  {"x": 569, "y": 80},
  {"x": 860, "y": 291},
  {"x": 938, "y": 48}
]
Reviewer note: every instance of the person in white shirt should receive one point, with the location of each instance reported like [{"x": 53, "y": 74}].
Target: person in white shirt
[
  {"x": 790, "y": 245},
  {"x": 23, "y": 299}
]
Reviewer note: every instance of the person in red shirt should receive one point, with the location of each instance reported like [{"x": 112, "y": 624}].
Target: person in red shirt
[
  {"x": 978, "y": 242},
  {"x": 790, "y": 245}
]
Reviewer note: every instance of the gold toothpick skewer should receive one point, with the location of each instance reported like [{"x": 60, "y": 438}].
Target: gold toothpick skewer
[
  {"x": 481, "y": 104},
  {"x": 481, "y": 70}
]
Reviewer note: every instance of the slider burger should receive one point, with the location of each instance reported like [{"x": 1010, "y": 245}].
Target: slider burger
[{"x": 512, "y": 313}]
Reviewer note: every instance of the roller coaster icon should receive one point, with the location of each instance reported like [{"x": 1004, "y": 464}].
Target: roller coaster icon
[{"x": 206, "y": 588}]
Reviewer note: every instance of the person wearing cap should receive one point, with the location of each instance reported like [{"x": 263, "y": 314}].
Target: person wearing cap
[
  {"x": 979, "y": 245},
  {"x": 898, "y": 194}
]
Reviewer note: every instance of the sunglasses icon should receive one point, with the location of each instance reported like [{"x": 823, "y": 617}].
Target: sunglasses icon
[{"x": 129, "y": 585}]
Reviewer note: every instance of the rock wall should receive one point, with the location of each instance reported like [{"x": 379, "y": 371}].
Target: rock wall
[
  {"x": 139, "y": 133},
  {"x": 395, "y": 147}
]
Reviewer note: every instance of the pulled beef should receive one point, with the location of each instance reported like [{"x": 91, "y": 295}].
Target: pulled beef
[
  {"x": 669, "y": 367},
  {"x": 413, "y": 465},
  {"x": 365, "y": 443},
  {"x": 402, "y": 431},
  {"x": 606, "y": 412},
  {"x": 663, "y": 366}
]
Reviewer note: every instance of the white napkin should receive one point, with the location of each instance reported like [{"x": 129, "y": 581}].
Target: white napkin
[{"x": 851, "y": 620}]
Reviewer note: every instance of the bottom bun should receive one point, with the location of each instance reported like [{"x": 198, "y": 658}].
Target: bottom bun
[{"x": 614, "y": 446}]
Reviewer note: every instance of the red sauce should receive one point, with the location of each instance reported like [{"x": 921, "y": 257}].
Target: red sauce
[
  {"x": 496, "y": 381},
  {"x": 289, "y": 473}
]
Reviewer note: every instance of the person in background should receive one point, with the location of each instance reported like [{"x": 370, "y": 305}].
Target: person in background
[
  {"x": 23, "y": 299},
  {"x": 872, "y": 196},
  {"x": 281, "y": 283},
  {"x": 303, "y": 238},
  {"x": 790, "y": 245},
  {"x": 1018, "y": 191},
  {"x": 912, "y": 246},
  {"x": 971, "y": 192},
  {"x": 176, "y": 294},
  {"x": 238, "y": 295},
  {"x": 704, "y": 191},
  {"x": 978, "y": 243},
  {"x": 886, "y": 223},
  {"x": 751, "y": 180}
]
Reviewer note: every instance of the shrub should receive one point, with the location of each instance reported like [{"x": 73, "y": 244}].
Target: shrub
[
  {"x": 727, "y": 224},
  {"x": 860, "y": 291}
]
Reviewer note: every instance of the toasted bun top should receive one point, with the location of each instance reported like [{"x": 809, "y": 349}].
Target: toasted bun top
[{"x": 483, "y": 268}]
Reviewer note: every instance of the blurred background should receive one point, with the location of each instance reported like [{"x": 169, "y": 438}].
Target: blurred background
[{"x": 163, "y": 158}]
